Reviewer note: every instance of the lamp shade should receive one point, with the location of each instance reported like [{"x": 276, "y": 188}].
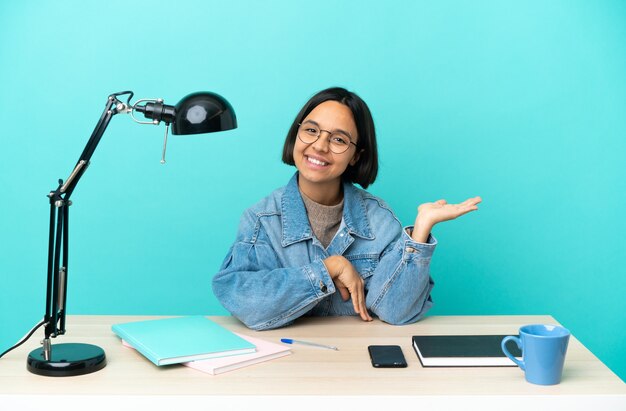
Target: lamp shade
[{"x": 203, "y": 112}]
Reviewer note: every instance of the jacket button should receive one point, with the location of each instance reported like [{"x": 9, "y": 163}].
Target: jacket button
[
  {"x": 323, "y": 287},
  {"x": 410, "y": 250}
]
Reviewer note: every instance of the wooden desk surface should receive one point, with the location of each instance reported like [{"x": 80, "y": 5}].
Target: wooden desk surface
[{"x": 312, "y": 371}]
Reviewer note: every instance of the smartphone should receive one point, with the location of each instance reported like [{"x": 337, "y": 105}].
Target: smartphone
[{"x": 387, "y": 356}]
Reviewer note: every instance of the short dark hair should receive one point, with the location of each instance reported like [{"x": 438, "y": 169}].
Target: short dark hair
[{"x": 366, "y": 168}]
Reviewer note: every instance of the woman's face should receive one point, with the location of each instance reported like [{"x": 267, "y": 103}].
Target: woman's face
[{"x": 319, "y": 168}]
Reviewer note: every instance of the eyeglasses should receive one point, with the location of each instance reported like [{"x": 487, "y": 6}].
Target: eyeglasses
[{"x": 338, "y": 141}]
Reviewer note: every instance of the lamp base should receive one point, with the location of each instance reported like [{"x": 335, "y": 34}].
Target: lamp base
[{"x": 67, "y": 360}]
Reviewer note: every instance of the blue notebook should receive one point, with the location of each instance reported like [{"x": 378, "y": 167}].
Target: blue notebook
[{"x": 181, "y": 339}]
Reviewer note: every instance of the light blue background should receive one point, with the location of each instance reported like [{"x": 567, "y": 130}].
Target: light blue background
[{"x": 523, "y": 103}]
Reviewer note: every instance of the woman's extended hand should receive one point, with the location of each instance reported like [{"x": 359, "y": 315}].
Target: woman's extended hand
[
  {"x": 429, "y": 214},
  {"x": 349, "y": 283}
]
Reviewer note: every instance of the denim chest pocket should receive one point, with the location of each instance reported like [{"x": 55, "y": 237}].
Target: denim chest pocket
[{"x": 365, "y": 265}]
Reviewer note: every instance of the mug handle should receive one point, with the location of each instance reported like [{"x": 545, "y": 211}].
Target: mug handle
[{"x": 517, "y": 341}]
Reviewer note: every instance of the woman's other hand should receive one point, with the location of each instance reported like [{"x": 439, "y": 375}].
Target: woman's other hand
[
  {"x": 349, "y": 283},
  {"x": 429, "y": 214}
]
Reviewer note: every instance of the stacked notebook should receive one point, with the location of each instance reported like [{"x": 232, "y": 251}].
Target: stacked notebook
[
  {"x": 265, "y": 351},
  {"x": 196, "y": 342},
  {"x": 182, "y": 339}
]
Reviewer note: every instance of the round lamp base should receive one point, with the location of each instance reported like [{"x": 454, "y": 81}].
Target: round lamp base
[{"x": 67, "y": 360}]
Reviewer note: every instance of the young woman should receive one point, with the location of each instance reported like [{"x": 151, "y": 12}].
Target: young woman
[{"x": 320, "y": 245}]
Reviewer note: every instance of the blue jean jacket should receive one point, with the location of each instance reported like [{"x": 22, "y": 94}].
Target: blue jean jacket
[{"x": 274, "y": 273}]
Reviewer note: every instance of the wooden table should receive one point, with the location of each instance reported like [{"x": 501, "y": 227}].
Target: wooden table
[{"x": 312, "y": 376}]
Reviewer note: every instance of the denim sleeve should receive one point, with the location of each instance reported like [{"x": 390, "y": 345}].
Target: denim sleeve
[
  {"x": 399, "y": 289},
  {"x": 253, "y": 286}
]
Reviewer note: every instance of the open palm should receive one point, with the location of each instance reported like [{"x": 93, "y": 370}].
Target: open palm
[{"x": 440, "y": 210}]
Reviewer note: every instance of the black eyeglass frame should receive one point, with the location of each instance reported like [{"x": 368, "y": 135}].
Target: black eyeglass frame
[{"x": 330, "y": 133}]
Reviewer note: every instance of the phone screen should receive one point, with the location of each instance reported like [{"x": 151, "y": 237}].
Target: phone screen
[{"x": 387, "y": 356}]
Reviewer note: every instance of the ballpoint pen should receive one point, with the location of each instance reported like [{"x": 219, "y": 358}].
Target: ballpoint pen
[{"x": 312, "y": 344}]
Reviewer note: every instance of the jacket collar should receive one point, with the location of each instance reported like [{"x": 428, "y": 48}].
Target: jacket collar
[{"x": 295, "y": 222}]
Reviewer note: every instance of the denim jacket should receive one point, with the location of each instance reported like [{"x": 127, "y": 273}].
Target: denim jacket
[{"x": 274, "y": 273}]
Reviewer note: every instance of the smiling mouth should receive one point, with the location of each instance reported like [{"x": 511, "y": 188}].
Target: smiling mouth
[{"x": 316, "y": 161}]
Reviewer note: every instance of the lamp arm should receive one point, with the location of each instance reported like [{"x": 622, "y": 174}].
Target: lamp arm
[
  {"x": 56, "y": 290},
  {"x": 113, "y": 107}
]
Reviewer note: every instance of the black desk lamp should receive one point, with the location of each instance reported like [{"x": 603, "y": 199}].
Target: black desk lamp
[{"x": 197, "y": 113}]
